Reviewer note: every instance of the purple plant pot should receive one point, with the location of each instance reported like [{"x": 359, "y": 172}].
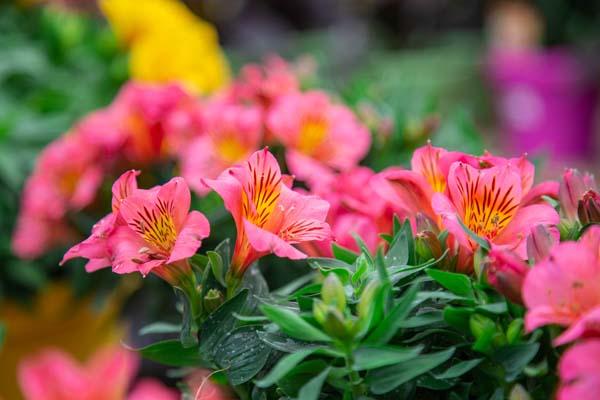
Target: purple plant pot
[{"x": 545, "y": 102}]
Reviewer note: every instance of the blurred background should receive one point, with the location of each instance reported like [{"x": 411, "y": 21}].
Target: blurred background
[{"x": 508, "y": 76}]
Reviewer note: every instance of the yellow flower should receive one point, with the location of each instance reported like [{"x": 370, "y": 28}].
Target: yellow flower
[{"x": 168, "y": 43}]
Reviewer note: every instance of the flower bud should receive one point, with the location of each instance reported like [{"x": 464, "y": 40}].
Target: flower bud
[
  {"x": 428, "y": 246},
  {"x": 320, "y": 311},
  {"x": 212, "y": 300},
  {"x": 334, "y": 324},
  {"x": 588, "y": 208},
  {"x": 481, "y": 325},
  {"x": 540, "y": 241},
  {"x": 506, "y": 273},
  {"x": 365, "y": 304},
  {"x": 518, "y": 392},
  {"x": 424, "y": 223},
  {"x": 571, "y": 189},
  {"x": 332, "y": 292},
  {"x": 514, "y": 330}
]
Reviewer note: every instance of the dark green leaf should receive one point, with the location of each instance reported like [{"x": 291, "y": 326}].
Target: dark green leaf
[
  {"x": 285, "y": 365},
  {"x": 391, "y": 322},
  {"x": 189, "y": 331},
  {"x": 514, "y": 358},
  {"x": 458, "y": 284},
  {"x": 386, "y": 379},
  {"x": 343, "y": 254},
  {"x": 242, "y": 354},
  {"x": 370, "y": 357},
  {"x": 459, "y": 369},
  {"x": 172, "y": 353},
  {"x": 402, "y": 249},
  {"x": 312, "y": 389},
  {"x": 221, "y": 322},
  {"x": 217, "y": 267}
]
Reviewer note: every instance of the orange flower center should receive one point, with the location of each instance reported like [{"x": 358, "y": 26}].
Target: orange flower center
[
  {"x": 487, "y": 211},
  {"x": 230, "y": 149},
  {"x": 312, "y": 134}
]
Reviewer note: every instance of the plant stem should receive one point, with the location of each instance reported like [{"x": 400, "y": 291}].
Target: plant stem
[{"x": 355, "y": 379}]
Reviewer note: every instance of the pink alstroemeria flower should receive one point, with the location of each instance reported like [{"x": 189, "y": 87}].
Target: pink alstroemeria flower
[
  {"x": 355, "y": 209},
  {"x": 579, "y": 370},
  {"x": 54, "y": 375},
  {"x": 315, "y": 130},
  {"x": 506, "y": 272},
  {"x": 492, "y": 203},
  {"x": 564, "y": 290},
  {"x": 159, "y": 232},
  {"x": 269, "y": 216},
  {"x": 95, "y": 247},
  {"x": 142, "y": 112},
  {"x": 232, "y": 133}
]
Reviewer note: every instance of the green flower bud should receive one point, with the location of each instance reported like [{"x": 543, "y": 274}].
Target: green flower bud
[
  {"x": 481, "y": 325},
  {"x": 212, "y": 300},
  {"x": 333, "y": 293},
  {"x": 320, "y": 311},
  {"x": 335, "y": 324},
  {"x": 428, "y": 246},
  {"x": 365, "y": 304}
]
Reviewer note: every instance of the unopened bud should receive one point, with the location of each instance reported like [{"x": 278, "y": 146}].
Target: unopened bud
[
  {"x": 514, "y": 330},
  {"x": 332, "y": 292},
  {"x": 319, "y": 311},
  {"x": 506, "y": 272},
  {"x": 518, "y": 392},
  {"x": 367, "y": 298},
  {"x": 428, "y": 246},
  {"x": 212, "y": 300},
  {"x": 571, "y": 189},
  {"x": 335, "y": 324},
  {"x": 480, "y": 325},
  {"x": 540, "y": 241},
  {"x": 588, "y": 208}
]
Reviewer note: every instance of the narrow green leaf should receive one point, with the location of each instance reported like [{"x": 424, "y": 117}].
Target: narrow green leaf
[
  {"x": 385, "y": 379},
  {"x": 285, "y": 365},
  {"x": 370, "y": 357},
  {"x": 380, "y": 264},
  {"x": 459, "y": 369},
  {"x": 189, "y": 330},
  {"x": 312, "y": 389},
  {"x": 390, "y": 324},
  {"x": 458, "y": 284},
  {"x": 172, "y": 353},
  {"x": 343, "y": 254},
  {"x": 484, "y": 244},
  {"x": 402, "y": 249},
  {"x": 159, "y": 327},
  {"x": 292, "y": 324}
]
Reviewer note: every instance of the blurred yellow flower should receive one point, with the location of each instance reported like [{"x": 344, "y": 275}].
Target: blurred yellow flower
[
  {"x": 168, "y": 43},
  {"x": 56, "y": 319}
]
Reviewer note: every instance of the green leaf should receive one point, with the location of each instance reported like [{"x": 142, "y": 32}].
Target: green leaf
[
  {"x": 493, "y": 308},
  {"x": 189, "y": 331},
  {"x": 381, "y": 266},
  {"x": 343, "y": 254},
  {"x": 159, "y": 327},
  {"x": 172, "y": 353},
  {"x": 385, "y": 379},
  {"x": 458, "y": 317},
  {"x": 390, "y": 324},
  {"x": 242, "y": 354},
  {"x": 312, "y": 389},
  {"x": 402, "y": 249},
  {"x": 370, "y": 357},
  {"x": 292, "y": 324},
  {"x": 458, "y": 284},
  {"x": 484, "y": 244},
  {"x": 423, "y": 319},
  {"x": 224, "y": 250},
  {"x": 216, "y": 265},
  {"x": 459, "y": 369},
  {"x": 221, "y": 322},
  {"x": 285, "y": 365},
  {"x": 514, "y": 358}
]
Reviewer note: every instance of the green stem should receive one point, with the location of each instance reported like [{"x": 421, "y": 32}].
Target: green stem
[
  {"x": 233, "y": 284},
  {"x": 355, "y": 379}
]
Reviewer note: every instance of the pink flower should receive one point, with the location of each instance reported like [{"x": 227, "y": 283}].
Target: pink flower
[
  {"x": 314, "y": 129},
  {"x": 159, "y": 232},
  {"x": 263, "y": 84},
  {"x": 232, "y": 133},
  {"x": 269, "y": 216},
  {"x": 95, "y": 247},
  {"x": 506, "y": 272},
  {"x": 152, "y": 389},
  {"x": 564, "y": 290},
  {"x": 54, "y": 375},
  {"x": 34, "y": 235},
  {"x": 143, "y": 111},
  {"x": 591, "y": 239},
  {"x": 184, "y": 124},
  {"x": 579, "y": 370},
  {"x": 572, "y": 188},
  {"x": 492, "y": 203},
  {"x": 355, "y": 209}
]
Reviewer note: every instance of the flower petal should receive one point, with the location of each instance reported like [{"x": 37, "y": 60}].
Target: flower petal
[
  {"x": 266, "y": 242},
  {"x": 189, "y": 239}
]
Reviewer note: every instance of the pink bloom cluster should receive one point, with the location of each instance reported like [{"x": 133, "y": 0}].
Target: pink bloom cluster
[
  {"x": 148, "y": 124},
  {"x": 492, "y": 196},
  {"x": 54, "y": 375}
]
